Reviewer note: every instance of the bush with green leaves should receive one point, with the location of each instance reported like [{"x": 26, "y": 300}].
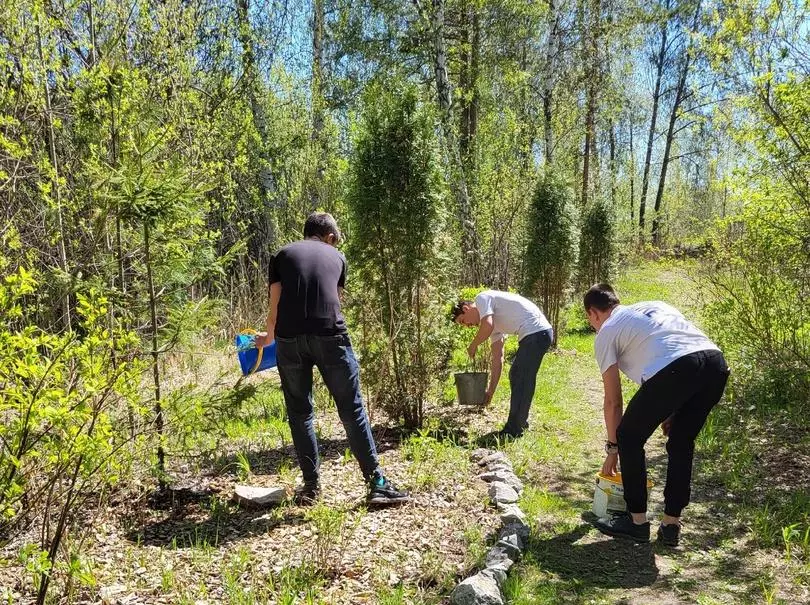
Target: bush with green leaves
[
  {"x": 397, "y": 249},
  {"x": 757, "y": 307},
  {"x": 59, "y": 399},
  {"x": 551, "y": 252},
  {"x": 596, "y": 245}
]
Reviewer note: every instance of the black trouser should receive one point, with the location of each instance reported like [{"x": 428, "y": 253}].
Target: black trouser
[
  {"x": 523, "y": 378},
  {"x": 687, "y": 389}
]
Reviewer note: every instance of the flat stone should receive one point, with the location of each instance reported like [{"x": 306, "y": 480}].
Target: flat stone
[
  {"x": 501, "y": 493},
  {"x": 497, "y": 573},
  {"x": 109, "y": 593},
  {"x": 498, "y": 557},
  {"x": 480, "y": 589},
  {"x": 511, "y": 513},
  {"x": 513, "y": 539},
  {"x": 479, "y": 454},
  {"x": 493, "y": 458},
  {"x": 501, "y": 466},
  {"x": 258, "y": 497},
  {"x": 518, "y": 528},
  {"x": 508, "y": 477}
]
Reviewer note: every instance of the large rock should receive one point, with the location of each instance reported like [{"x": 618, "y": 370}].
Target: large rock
[
  {"x": 258, "y": 497},
  {"x": 480, "y": 589},
  {"x": 508, "y": 477},
  {"x": 501, "y": 493},
  {"x": 511, "y": 513}
]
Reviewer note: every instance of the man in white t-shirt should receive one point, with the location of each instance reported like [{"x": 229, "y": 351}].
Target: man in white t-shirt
[
  {"x": 497, "y": 314},
  {"x": 682, "y": 376}
]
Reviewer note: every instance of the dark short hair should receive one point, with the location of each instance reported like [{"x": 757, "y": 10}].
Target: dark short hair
[
  {"x": 600, "y": 296},
  {"x": 321, "y": 224},
  {"x": 458, "y": 308}
]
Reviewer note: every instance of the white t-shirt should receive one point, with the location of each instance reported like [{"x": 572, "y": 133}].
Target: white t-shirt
[
  {"x": 511, "y": 314},
  {"x": 646, "y": 337}
]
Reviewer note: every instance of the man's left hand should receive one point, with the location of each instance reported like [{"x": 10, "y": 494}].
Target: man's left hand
[{"x": 490, "y": 394}]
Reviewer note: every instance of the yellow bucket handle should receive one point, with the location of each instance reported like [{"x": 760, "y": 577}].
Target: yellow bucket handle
[{"x": 259, "y": 356}]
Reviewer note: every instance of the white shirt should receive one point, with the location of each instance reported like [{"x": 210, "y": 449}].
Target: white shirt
[
  {"x": 646, "y": 337},
  {"x": 511, "y": 314}
]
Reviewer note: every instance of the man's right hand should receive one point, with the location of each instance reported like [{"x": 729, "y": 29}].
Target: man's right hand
[
  {"x": 262, "y": 340},
  {"x": 666, "y": 426},
  {"x": 610, "y": 465}
]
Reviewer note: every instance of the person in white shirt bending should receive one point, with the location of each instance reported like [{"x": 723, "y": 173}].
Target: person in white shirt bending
[
  {"x": 497, "y": 314},
  {"x": 682, "y": 375}
]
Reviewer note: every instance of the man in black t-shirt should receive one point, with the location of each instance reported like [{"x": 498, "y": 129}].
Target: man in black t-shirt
[{"x": 306, "y": 279}]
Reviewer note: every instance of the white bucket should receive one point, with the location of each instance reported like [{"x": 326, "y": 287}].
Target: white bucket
[{"x": 608, "y": 496}]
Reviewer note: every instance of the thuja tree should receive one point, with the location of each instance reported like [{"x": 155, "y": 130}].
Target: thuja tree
[
  {"x": 551, "y": 251},
  {"x": 596, "y": 245},
  {"x": 395, "y": 205}
]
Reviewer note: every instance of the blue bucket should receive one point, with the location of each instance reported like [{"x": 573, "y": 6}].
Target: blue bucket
[{"x": 251, "y": 359}]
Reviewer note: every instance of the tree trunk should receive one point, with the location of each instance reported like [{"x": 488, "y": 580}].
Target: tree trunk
[
  {"x": 612, "y": 135},
  {"x": 593, "y": 79},
  {"x": 155, "y": 367},
  {"x": 680, "y": 93},
  {"x": 471, "y": 249},
  {"x": 318, "y": 103},
  {"x": 645, "y": 178},
  {"x": 55, "y": 184},
  {"x": 632, "y": 174},
  {"x": 673, "y": 118},
  {"x": 468, "y": 82},
  {"x": 552, "y": 48},
  {"x": 260, "y": 244}
]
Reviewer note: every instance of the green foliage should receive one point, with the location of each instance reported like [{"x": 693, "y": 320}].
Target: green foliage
[
  {"x": 396, "y": 245},
  {"x": 551, "y": 251},
  {"x": 333, "y": 528},
  {"x": 59, "y": 396},
  {"x": 596, "y": 245}
]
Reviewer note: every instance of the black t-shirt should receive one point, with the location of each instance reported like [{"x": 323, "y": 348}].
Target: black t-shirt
[{"x": 310, "y": 272}]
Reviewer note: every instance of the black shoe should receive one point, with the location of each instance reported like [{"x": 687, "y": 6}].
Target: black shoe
[
  {"x": 622, "y": 526},
  {"x": 669, "y": 535},
  {"x": 307, "y": 494},
  {"x": 381, "y": 492},
  {"x": 504, "y": 435}
]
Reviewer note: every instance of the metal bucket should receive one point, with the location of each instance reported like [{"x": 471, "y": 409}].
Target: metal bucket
[{"x": 471, "y": 387}]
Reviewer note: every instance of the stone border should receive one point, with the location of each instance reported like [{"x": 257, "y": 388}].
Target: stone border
[{"x": 484, "y": 588}]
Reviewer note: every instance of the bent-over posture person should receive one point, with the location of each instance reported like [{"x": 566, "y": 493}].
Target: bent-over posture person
[
  {"x": 682, "y": 375},
  {"x": 497, "y": 314},
  {"x": 307, "y": 278}
]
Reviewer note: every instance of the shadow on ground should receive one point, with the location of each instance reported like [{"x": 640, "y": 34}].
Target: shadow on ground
[
  {"x": 269, "y": 461},
  {"x": 606, "y": 563}
]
